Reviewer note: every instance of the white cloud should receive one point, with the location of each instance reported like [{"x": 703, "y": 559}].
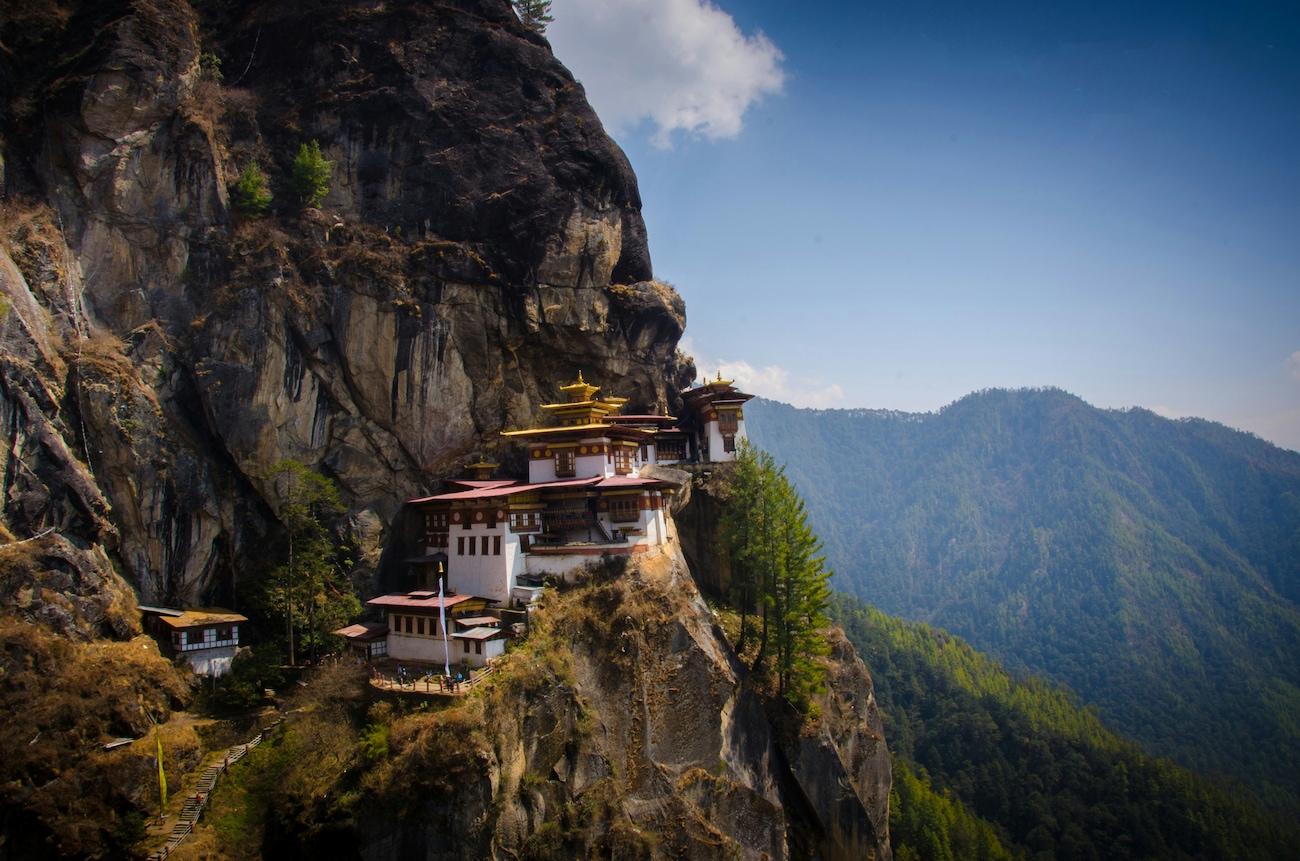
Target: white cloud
[
  {"x": 776, "y": 383},
  {"x": 1167, "y": 412},
  {"x": 681, "y": 63},
  {"x": 1292, "y": 365}
]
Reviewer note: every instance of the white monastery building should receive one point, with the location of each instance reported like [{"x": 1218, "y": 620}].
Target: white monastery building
[{"x": 493, "y": 541}]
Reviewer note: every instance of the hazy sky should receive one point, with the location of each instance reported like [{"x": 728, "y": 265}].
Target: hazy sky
[{"x": 894, "y": 204}]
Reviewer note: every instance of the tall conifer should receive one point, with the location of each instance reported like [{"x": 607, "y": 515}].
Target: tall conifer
[{"x": 777, "y": 572}]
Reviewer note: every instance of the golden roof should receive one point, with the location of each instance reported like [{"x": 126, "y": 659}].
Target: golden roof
[{"x": 579, "y": 391}]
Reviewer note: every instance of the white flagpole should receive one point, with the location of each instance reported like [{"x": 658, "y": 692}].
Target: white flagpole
[{"x": 446, "y": 650}]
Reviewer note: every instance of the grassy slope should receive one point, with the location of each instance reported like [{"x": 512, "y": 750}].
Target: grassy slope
[{"x": 1022, "y": 755}]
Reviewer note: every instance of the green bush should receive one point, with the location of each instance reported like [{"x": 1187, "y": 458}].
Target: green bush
[
  {"x": 310, "y": 178},
  {"x": 249, "y": 195}
]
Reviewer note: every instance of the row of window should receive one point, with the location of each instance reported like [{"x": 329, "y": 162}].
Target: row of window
[
  {"x": 464, "y": 543},
  {"x": 205, "y": 636},
  {"x": 415, "y": 625}
]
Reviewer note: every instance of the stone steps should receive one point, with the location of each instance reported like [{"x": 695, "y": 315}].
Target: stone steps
[{"x": 194, "y": 805}]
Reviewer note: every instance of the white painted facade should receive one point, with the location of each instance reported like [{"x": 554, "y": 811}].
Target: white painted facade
[
  {"x": 211, "y": 662},
  {"x": 490, "y": 576}
]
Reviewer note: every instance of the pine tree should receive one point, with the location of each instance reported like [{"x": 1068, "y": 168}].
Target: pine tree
[
  {"x": 248, "y": 196},
  {"x": 310, "y": 178},
  {"x": 312, "y": 582},
  {"x": 535, "y": 14},
  {"x": 778, "y": 572}
]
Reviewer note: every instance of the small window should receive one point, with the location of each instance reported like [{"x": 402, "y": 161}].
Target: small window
[
  {"x": 466, "y": 642},
  {"x": 728, "y": 421},
  {"x": 485, "y": 545},
  {"x": 525, "y": 521},
  {"x": 419, "y": 626},
  {"x": 496, "y": 545},
  {"x": 478, "y": 647},
  {"x": 728, "y": 442},
  {"x": 408, "y": 624},
  {"x": 436, "y": 521},
  {"x": 460, "y": 545},
  {"x": 564, "y": 463},
  {"x": 622, "y": 460},
  {"x": 472, "y": 545}
]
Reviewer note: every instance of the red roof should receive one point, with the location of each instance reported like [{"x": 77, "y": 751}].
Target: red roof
[
  {"x": 364, "y": 631},
  {"x": 627, "y": 481},
  {"x": 478, "y": 621},
  {"x": 506, "y": 490},
  {"x": 478, "y": 634},
  {"x": 417, "y": 600}
]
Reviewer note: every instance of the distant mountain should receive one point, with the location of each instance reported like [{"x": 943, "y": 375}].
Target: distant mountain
[{"x": 1152, "y": 565}]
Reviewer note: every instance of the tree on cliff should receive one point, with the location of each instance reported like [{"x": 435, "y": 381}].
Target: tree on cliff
[
  {"x": 310, "y": 591},
  {"x": 535, "y": 14},
  {"x": 310, "y": 179},
  {"x": 778, "y": 572},
  {"x": 249, "y": 195}
]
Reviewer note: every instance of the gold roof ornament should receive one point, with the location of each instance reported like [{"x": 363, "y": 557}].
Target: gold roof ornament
[{"x": 579, "y": 391}]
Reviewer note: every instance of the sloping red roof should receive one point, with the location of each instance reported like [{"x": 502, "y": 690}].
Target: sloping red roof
[
  {"x": 418, "y": 600},
  {"x": 506, "y": 490},
  {"x": 478, "y": 634},
  {"x": 364, "y": 631},
  {"x": 627, "y": 481},
  {"x": 478, "y": 621}
]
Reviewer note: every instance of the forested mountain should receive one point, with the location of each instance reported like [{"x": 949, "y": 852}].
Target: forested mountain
[
  {"x": 1151, "y": 565},
  {"x": 972, "y": 743}
]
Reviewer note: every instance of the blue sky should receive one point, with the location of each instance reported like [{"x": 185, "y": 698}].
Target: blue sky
[{"x": 893, "y": 205}]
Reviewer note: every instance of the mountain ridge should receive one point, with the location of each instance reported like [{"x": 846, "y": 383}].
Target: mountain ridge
[{"x": 1151, "y": 564}]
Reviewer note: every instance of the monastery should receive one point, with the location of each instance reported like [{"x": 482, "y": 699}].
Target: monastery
[{"x": 490, "y": 541}]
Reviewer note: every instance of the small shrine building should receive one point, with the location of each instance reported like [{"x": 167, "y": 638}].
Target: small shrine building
[{"x": 207, "y": 637}]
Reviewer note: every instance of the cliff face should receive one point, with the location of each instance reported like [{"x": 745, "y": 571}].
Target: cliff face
[
  {"x": 159, "y": 353},
  {"x": 481, "y": 240},
  {"x": 623, "y": 727}
]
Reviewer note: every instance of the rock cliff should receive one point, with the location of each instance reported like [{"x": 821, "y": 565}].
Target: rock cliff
[
  {"x": 624, "y": 726},
  {"x": 160, "y": 353},
  {"x": 481, "y": 239}
]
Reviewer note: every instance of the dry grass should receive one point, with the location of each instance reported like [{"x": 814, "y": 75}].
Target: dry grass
[{"x": 63, "y": 700}]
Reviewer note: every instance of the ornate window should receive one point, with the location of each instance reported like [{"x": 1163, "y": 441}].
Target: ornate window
[
  {"x": 622, "y": 460},
  {"x": 564, "y": 463},
  {"x": 624, "y": 509},
  {"x": 525, "y": 521}
]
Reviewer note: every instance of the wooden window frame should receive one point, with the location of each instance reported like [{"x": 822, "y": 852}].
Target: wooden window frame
[{"x": 625, "y": 509}]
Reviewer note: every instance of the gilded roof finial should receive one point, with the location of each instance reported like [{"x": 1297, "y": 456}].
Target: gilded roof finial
[
  {"x": 719, "y": 374},
  {"x": 580, "y": 379}
]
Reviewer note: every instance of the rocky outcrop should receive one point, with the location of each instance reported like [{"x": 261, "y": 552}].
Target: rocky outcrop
[
  {"x": 481, "y": 240},
  {"x": 843, "y": 766},
  {"x": 624, "y": 726}
]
